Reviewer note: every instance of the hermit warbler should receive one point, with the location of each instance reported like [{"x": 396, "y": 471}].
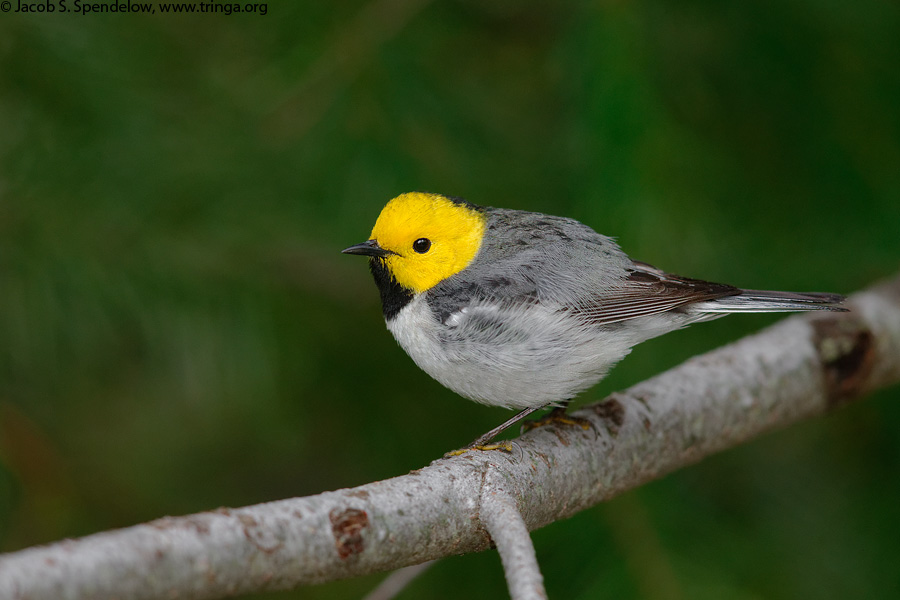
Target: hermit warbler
[{"x": 525, "y": 310}]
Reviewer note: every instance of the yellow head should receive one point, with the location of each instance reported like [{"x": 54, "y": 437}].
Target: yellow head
[{"x": 424, "y": 239}]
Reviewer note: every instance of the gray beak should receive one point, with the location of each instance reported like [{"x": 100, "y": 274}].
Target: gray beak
[{"x": 368, "y": 248}]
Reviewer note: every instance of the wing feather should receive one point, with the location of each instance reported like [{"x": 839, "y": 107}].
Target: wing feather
[{"x": 647, "y": 291}]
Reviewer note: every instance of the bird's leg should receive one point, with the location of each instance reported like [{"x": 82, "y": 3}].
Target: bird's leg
[
  {"x": 482, "y": 442},
  {"x": 504, "y": 426},
  {"x": 557, "y": 415}
]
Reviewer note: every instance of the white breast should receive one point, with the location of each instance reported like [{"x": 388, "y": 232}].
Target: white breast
[{"x": 517, "y": 358}]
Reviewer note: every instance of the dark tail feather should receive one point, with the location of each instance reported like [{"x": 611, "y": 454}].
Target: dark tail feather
[{"x": 763, "y": 301}]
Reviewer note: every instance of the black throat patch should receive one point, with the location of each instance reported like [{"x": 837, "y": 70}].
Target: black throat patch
[{"x": 393, "y": 295}]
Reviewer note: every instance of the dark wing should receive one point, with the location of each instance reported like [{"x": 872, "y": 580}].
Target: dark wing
[{"x": 648, "y": 291}]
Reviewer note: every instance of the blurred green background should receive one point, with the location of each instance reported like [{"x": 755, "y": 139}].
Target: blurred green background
[{"x": 179, "y": 331}]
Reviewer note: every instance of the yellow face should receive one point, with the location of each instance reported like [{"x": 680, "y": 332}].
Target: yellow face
[{"x": 430, "y": 236}]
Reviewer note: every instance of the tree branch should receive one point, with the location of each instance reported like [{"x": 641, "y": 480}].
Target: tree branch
[
  {"x": 799, "y": 368},
  {"x": 504, "y": 523}
]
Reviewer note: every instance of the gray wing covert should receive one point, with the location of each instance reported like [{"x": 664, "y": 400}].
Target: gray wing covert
[{"x": 532, "y": 259}]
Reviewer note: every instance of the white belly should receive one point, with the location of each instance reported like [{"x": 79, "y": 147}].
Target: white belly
[{"x": 532, "y": 356}]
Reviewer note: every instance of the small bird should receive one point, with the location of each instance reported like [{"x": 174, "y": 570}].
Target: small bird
[{"x": 525, "y": 310}]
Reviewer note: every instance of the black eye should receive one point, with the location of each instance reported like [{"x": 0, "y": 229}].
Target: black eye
[{"x": 422, "y": 245}]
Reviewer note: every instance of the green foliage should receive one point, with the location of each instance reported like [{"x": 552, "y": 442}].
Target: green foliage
[{"x": 178, "y": 330}]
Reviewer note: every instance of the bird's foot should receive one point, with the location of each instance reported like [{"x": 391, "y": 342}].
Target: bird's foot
[
  {"x": 556, "y": 416},
  {"x": 503, "y": 446}
]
